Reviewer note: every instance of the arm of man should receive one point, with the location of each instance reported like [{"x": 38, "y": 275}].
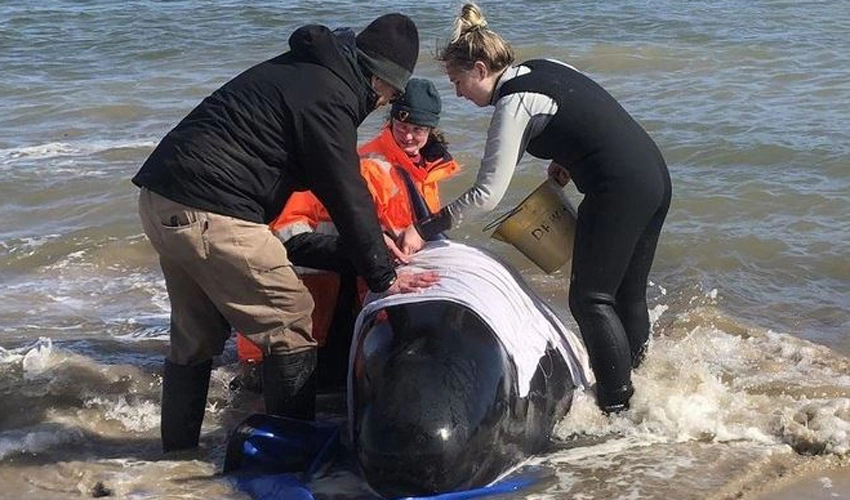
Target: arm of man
[{"x": 329, "y": 147}]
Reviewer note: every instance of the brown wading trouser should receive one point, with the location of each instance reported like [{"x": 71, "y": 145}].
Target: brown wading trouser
[{"x": 223, "y": 273}]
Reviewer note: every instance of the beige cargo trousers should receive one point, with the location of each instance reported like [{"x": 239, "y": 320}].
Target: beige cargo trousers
[{"x": 224, "y": 273}]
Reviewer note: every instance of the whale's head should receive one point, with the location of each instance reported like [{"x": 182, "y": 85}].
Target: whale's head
[{"x": 432, "y": 396}]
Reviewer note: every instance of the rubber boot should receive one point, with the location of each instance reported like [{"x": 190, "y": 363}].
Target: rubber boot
[
  {"x": 289, "y": 385},
  {"x": 616, "y": 400},
  {"x": 184, "y": 399}
]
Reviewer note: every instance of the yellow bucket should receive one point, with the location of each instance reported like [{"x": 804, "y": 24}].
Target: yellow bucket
[{"x": 542, "y": 227}]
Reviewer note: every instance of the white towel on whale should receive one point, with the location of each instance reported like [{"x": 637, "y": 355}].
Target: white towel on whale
[{"x": 524, "y": 324}]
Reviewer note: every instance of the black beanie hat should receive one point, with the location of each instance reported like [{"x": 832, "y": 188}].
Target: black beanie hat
[
  {"x": 420, "y": 104},
  {"x": 389, "y": 47}
]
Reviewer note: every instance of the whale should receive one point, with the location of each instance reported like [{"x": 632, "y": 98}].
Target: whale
[
  {"x": 452, "y": 387},
  {"x": 449, "y": 388}
]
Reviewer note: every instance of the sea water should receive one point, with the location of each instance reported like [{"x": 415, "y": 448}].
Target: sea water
[{"x": 747, "y": 378}]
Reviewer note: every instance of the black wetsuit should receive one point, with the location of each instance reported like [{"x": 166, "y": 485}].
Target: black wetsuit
[{"x": 562, "y": 115}]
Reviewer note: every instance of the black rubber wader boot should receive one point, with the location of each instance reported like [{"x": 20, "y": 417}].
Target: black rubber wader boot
[
  {"x": 184, "y": 399},
  {"x": 289, "y": 385},
  {"x": 614, "y": 401}
]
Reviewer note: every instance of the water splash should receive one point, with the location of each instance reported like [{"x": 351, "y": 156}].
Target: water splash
[{"x": 708, "y": 378}]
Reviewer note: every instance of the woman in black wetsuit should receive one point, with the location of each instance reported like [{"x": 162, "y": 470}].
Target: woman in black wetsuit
[{"x": 557, "y": 113}]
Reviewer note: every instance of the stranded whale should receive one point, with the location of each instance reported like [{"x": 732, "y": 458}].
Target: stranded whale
[{"x": 452, "y": 386}]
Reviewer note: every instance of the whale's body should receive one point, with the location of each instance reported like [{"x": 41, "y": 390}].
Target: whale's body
[{"x": 451, "y": 387}]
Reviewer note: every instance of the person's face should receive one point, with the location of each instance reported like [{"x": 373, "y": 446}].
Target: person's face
[
  {"x": 410, "y": 138},
  {"x": 386, "y": 92},
  {"x": 475, "y": 84}
]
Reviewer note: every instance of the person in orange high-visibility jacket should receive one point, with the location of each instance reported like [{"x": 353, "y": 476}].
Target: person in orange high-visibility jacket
[{"x": 403, "y": 166}]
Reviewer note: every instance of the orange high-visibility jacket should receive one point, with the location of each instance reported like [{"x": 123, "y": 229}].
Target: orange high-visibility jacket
[{"x": 381, "y": 159}]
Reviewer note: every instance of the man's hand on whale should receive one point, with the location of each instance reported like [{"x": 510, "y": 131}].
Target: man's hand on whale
[{"x": 412, "y": 281}]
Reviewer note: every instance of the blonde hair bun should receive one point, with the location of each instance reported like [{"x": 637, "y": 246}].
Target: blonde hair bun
[
  {"x": 471, "y": 18},
  {"x": 473, "y": 41}
]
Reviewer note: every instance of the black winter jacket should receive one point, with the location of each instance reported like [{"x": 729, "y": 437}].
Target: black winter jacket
[{"x": 287, "y": 124}]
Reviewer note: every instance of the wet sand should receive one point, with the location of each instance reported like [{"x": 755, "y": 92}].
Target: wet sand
[
  {"x": 810, "y": 482},
  {"x": 821, "y": 485}
]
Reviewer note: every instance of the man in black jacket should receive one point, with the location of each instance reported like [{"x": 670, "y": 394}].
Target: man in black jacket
[{"x": 215, "y": 181}]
